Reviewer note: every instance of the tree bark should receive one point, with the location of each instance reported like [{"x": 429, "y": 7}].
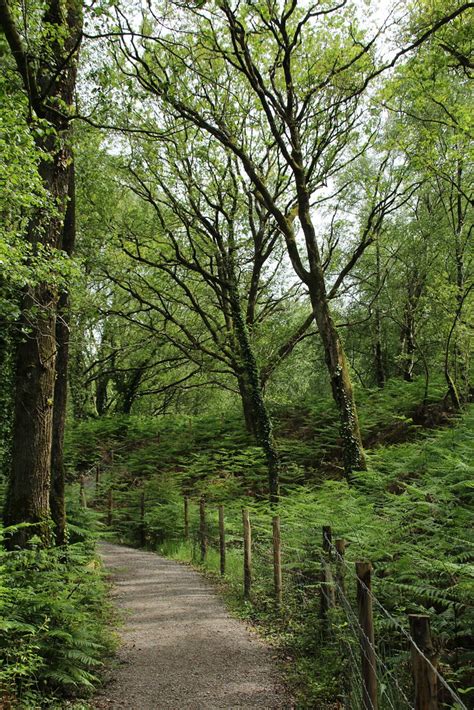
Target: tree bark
[
  {"x": 49, "y": 81},
  {"x": 338, "y": 369},
  {"x": 80, "y": 390},
  {"x": 127, "y": 385},
  {"x": 407, "y": 335},
  {"x": 27, "y": 498},
  {"x": 461, "y": 350},
  {"x": 101, "y": 395},
  {"x": 57, "y": 500},
  {"x": 408, "y": 344},
  {"x": 247, "y": 405},
  {"x": 341, "y": 386},
  {"x": 261, "y": 421},
  {"x": 35, "y": 361},
  {"x": 379, "y": 364},
  {"x": 6, "y": 401}
]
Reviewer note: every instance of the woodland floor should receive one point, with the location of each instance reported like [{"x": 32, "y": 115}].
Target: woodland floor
[{"x": 179, "y": 646}]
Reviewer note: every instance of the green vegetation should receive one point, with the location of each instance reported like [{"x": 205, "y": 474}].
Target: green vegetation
[
  {"x": 409, "y": 514},
  {"x": 236, "y": 261},
  {"x": 54, "y": 629}
]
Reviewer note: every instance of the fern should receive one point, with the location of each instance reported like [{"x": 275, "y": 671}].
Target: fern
[
  {"x": 409, "y": 514},
  {"x": 52, "y": 623}
]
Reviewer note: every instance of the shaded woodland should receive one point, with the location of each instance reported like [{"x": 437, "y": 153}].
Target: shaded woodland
[{"x": 235, "y": 263}]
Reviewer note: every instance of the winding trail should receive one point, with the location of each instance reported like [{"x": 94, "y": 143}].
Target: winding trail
[{"x": 180, "y": 648}]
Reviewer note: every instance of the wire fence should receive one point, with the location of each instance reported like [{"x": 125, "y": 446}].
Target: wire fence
[{"x": 388, "y": 662}]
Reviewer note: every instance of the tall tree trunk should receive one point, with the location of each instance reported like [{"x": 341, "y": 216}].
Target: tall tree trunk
[
  {"x": 336, "y": 362},
  {"x": 456, "y": 399},
  {"x": 49, "y": 81},
  {"x": 379, "y": 365},
  {"x": 408, "y": 343},
  {"x": 407, "y": 334},
  {"x": 127, "y": 386},
  {"x": 101, "y": 394},
  {"x": 28, "y": 490},
  {"x": 80, "y": 390},
  {"x": 341, "y": 385},
  {"x": 6, "y": 400},
  {"x": 461, "y": 349},
  {"x": 57, "y": 500},
  {"x": 252, "y": 385},
  {"x": 247, "y": 405}
]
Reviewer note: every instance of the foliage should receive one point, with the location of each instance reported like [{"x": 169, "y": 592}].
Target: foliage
[
  {"x": 53, "y": 618},
  {"x": 409, "y": 514},
  {"x": 267, "y": 155}
]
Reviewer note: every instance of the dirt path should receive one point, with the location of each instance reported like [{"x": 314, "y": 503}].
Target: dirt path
[{"x": 180, "y": 648}]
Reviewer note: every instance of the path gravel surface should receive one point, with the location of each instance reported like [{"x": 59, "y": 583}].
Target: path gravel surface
[{"x": 180, "y": 648}]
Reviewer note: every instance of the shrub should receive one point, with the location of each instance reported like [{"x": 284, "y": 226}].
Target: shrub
[{"x": 52, "y": 623}]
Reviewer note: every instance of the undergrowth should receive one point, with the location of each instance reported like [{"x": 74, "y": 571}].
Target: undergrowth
[
  {"x": 409, "y": 514},
  {"x": 54, "y": 620}
]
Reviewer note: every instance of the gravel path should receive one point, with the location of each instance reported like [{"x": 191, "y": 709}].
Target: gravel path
[{"x": 180, "y": 648}]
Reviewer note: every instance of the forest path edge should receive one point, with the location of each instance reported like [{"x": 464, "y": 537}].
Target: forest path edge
[{"x": 180, "y": 648}]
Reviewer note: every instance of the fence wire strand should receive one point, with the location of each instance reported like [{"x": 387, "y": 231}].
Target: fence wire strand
[
  {"x": 404, "y": 632},
  {"x": 262, "y": 537}
]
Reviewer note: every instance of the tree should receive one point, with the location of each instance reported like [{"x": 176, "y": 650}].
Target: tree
[
  {"x": 57, "y": 492},
  {"x": 46, "y": 60},
  {"x": 308, "y": 114},
  {"x": 430, "y": 101},
  {"x": 206, "y": 253}
]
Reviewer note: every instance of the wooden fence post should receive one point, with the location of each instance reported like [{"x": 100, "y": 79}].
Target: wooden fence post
[
  {"x": 340, "y": 570},
  {"x": 247, "y": 553},
  {"x": 142, "y": 519},
  {"x": 186, "y": 517},
  {"x": 110, "y": 507},
  {"x": 426, "y": 690},
  {"x": 202, "y": 528},
  {"x": 277, "y": 559},
  {"x": 222, "y": 539},
  {"x": 366, "y": 625},
  {"x": 328, "y": 600}
]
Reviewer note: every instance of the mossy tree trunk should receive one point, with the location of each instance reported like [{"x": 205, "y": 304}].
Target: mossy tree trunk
[
  {"x": 35, "y": 373},
  {"x": 336, "y": 362},
  {"x": 49, "y": 80},
  {"x": 408, "y": 328},
  {"x": 256, "y": 408},
  {"x": 341, "y": 385},
  {"x": 379, "y": 364},
  {"x": 6, "y": 401},
  {"x": 57, "y": 493},
  {"x": 28, "y": 489},
  {"x": 247, "y": 404},
  {"x": 80, "y": 388},
  {"x": 462, "y": 342}
]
